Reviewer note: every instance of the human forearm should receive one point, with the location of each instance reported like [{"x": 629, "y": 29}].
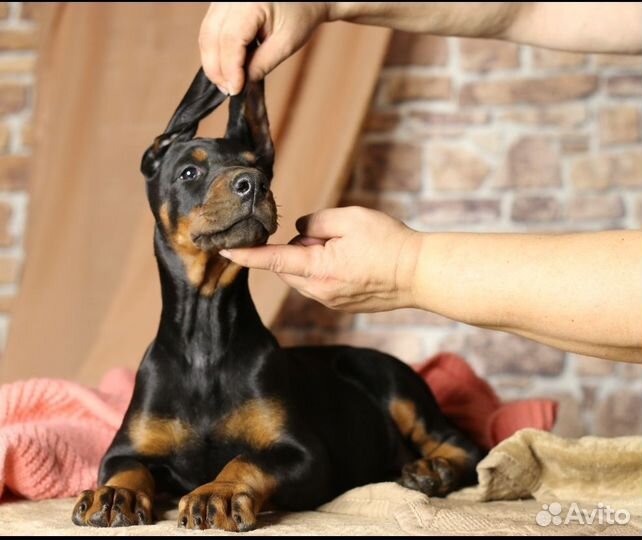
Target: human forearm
[
  {"x": 229, "y": 27},
  {"x": 587, "y": 27},
  {"x": 579, "y": 292},
  {"x": 476, "y": 19}
]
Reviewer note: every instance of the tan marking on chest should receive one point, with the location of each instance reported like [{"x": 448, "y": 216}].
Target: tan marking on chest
[
  {"x": 225, "y": 278},
  {"x": 205, "y": 271},
  {"x": 153, "y": 436},
  {"x": 258, "y": 422}
]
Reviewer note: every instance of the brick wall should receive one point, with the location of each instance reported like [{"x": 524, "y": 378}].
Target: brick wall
[
  {"x": 472, "y": 135},
  {"x": 17, "y": 62},
  {"x": 462, "y": 135}
]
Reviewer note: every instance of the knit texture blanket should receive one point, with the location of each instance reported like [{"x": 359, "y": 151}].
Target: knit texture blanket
[
  {"x": 590, "y": 487},
  {"x": 590, "y": 470}
]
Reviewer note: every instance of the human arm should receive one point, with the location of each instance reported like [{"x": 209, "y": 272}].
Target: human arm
[
  {"x": 580, "y": 292},
  {"x": 283, "y": 28},
  {"x": 599, "y": 27}
]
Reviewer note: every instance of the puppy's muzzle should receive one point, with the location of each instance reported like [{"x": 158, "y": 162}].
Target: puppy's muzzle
[{"x": 250, "y": 186}]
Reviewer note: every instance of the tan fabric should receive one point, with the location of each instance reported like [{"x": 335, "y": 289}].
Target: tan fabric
[
  {"x": 587, "y": 471},
  {"x": 110, "y": 77},
  {"x": 550, "y": 468},
  {"x": 376, "y": 510}
]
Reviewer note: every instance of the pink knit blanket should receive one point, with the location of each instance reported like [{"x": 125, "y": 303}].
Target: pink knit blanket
[{"x": 53, "y": 433}]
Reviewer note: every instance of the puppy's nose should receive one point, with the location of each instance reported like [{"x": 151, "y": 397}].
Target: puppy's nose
[{"x": 250, "y": 186}]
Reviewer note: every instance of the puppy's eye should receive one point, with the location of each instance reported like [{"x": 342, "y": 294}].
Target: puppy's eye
[{"x": 189, "y": 173}]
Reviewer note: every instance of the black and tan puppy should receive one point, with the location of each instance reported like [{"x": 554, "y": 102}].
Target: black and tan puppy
[{"x": 221, "y": 415}]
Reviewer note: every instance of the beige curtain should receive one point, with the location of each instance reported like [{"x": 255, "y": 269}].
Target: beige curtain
[{"x": 110, "y": 76}]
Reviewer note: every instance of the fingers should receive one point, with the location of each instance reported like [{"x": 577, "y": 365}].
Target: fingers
[
  {"x": 330, "y": 223},
  {"x": 226, "y": 31},
  {"x": 231, "y": 59},
  {"x": 228, "y": 28},
  {"x": 306, "y": 241},
  {"x": 208, "y": 44},
  {"x": 282, "y": 259},
  {"x": 274, "y": 50},
  {"x": 233, "y": 41}
]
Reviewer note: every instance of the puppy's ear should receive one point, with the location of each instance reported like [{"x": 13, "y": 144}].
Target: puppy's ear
[
  {"x": 248, "y": 123},
  {"x": 201, "y": 99}
]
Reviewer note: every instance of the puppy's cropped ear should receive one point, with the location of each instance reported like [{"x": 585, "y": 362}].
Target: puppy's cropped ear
[
  {"x": 248, "y": 123},
  {"x": 201, "y": 99}
]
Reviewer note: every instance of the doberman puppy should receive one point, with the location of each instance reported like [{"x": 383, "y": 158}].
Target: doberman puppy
[{"x": 223, "y": 416}]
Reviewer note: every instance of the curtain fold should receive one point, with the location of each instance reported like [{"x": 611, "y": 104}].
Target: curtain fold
[{"x": 110, "y": 76}]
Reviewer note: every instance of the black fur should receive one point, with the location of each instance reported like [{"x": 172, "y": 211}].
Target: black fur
[{"x": 212, "y": 354}]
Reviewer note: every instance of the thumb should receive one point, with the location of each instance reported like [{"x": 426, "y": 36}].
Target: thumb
[
  {"x": 301, "y": 240},
  {"x": 274, "y": 50}
]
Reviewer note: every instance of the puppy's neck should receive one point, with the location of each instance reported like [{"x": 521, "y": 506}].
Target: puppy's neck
[{"x": 208, "y": 312}]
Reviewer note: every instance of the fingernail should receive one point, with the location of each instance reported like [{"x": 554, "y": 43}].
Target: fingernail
[
  {"x": 222, "y": 89},
  {"x": 225, "y": 253},
  {"x": 232, "y": 92}
]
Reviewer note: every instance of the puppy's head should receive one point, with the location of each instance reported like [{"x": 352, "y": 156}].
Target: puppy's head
[{"x": 212, "y": 194}]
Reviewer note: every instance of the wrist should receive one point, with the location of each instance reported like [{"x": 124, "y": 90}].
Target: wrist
[
  {"x": 407, "y": 280},
  {"x": 418, "y": 284},
  {"x": 433, "y": 286}
]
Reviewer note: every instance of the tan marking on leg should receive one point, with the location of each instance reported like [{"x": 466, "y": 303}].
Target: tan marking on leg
[
  {"x": 440, "y": 469},
  {"x": 125, "y": 499},
  {"x": 242, "y": 472},
  {"x": 139, "y": 479},
  {"x": 404, "y": 414},
  {"x": 258, "y": 422},
  {"x": 240, "y": 475},
  {"x": 231, "y": 502},
  {"x": 454, "y": 455},
  {"x": 158, "y": 436}
]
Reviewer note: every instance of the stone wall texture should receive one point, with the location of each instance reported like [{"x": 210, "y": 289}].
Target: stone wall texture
[
  {"x": 17, "y": 94},
  {"x": 479, "y": 135}
]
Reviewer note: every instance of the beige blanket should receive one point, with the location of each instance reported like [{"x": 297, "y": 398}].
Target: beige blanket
[
  {"x": 591, "y": 470},
  {"x": 573, "y": 482}
]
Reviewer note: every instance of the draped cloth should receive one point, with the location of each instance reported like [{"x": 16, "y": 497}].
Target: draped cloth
[{"x": 110, "y": 76}]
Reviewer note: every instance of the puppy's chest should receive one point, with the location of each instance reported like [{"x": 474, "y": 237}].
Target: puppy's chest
[
  {"x": 201, "y": 431},
  {"x": 193, "y": 444}
]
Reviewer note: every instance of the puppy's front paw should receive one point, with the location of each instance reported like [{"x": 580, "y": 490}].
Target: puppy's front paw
[
  {"x": 112, "y": 507},
  {"x": 219, "y": 505}
]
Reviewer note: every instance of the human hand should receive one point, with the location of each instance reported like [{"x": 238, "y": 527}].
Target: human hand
[
  {"x": 352, "y": 259},
  {"x": 228, "y": 28}
]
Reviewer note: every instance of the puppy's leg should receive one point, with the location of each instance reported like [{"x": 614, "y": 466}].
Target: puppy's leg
[
  {"x": 448, "y": 458},
  {"x": 231, "y": 502},
  {"x": 125, "y": 499},
  {"x": 288, "y": 476}
]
